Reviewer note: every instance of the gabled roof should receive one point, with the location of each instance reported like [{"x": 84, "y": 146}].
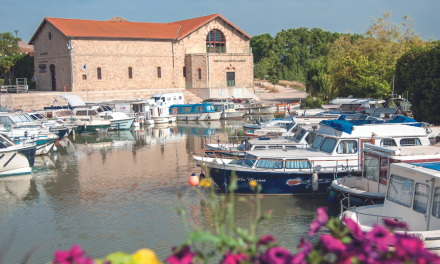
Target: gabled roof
[{"x": 118, "y": 29}]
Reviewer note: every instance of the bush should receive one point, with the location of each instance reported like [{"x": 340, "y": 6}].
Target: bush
[{"x": 312, "y": 102}]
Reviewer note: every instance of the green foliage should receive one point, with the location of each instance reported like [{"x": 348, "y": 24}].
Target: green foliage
[
  {"x": 313, "y": 102},
  {"x": 8, "y": 43},
  {"x": 17, "y": 66},
  {"x": 418, "y": 75},
  {"x": 318, "y": 80}
]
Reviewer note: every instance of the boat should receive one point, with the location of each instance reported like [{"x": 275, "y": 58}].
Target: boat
[
  {"x": 302, "y": 139},
  {"x": 333, "y": 153},
  {"x": 194, "y": 112},
  {"x": 250, "y": 106},
  {"x": 227, "y": 110},
  {"x": 161, "y": 115},
  {"x": 139, "y": 109},
  {"x": 119, "y": 120},
  {"x": 58, "y": 126},
  {"x": 412, "y": 198},
  {"x": 276, "y": 122},
  {"x": 16, "y": 158}
]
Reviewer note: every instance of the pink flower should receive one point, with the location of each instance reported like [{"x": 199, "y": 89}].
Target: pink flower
[
  {"x": 321, "y": 220},
  {"x": 300, "y": 258},
  {"x": 183, "y": 256},
  {"x": 230, "y": 258},
  {"x": 381, "y": 237},
  {"x": 354, "y": 228},
  {"x": 74, "y": 255},
  {"x": 332, "y": 244},
  {"x": 266, "y": 240},
  {"x": 394, "y": 223},
  {"x": 276, "y": 255}
]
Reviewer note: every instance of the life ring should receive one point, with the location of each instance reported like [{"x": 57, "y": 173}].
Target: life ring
[
  {"x": 174, "y": 111},
  {"x": 175, "y": 130}
]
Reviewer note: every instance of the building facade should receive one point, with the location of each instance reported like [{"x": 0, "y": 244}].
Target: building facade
[{"x": 197, "y": 53}]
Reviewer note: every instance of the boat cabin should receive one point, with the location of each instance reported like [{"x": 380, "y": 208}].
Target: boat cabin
[
  {"x": 17, "y": 120},
  {"x": 223, "y": 106},
  {"x": 191, "y": 108},
  {"x": 348, "y": 105},
  {"x": 94, "y": 110},
  {"x": 168, "y": 99}
]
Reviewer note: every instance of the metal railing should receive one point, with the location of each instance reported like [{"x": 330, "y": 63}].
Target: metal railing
[
  {"x": 13, "y": 88},
  {"x": 359, "y": 213}
]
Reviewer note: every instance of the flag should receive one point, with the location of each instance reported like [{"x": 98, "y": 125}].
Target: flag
[{"x": 83, "y": 68}]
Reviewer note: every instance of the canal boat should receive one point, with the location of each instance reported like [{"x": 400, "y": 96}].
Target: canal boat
[
  {"x": 250, "y": 106},
  {"x": 372, "y": 186},
  {"x": 412, "y": 198},
  {"x": 86, "y": 124},
  {"x": 194, "y": 112},
  {"x": 333, "y": 153},
  {"x": 302, "y": 139},
  {"x": 227, "y": 110},
  {"x": 161, "y": 114},
  {"x": 168, "y": 99},
  {"x": 139, "y": 109},
  {"x": 16, "y": 158}
]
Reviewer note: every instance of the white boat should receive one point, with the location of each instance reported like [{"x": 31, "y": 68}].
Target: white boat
[
  {"x": 276, "y": 122},
  {"x": 16, "y": 158},
  {"x": 334, "y": 152},
  {"x": 227, "y": 110},
  {"x": 119, "y": 121},
  {"x": 412, "y": 197},
  {"x": 161, "y": 115},
  {"x": 137, "y": 108}
]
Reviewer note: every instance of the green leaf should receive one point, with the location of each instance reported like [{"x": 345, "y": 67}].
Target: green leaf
[
  {"x": 118, "y": 258},
  {"x": 203, "y": 237}
]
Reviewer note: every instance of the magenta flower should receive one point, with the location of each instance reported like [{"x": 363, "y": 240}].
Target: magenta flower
[
  {"x": 266, "y": 240},
  {"x": 183, "y": 256},
  {"x": 300, "y": 258},
  {"x": 332, "y": 244},
  {"x": 230, "y": 258},
  {"x": 381, "y": 237},
  {"x": 74, "y": 255},
  {"x": 320, "y": 221},
  {"x": 354, "y": 228},
  {"x": 276, "y": 255},
  {"x": 394, "y": 223}
]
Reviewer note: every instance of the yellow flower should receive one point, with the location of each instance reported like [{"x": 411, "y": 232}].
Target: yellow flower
[
  {"x": 205, "y": 183},
  {"x": 144, "y": 256},
  {"x": 253, "y": 183}
]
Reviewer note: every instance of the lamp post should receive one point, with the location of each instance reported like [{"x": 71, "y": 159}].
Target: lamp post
[{"x": 16, "y": 32}]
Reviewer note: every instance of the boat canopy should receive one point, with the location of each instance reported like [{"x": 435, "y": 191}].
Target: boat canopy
[
  {"x": 404, "y": 119},
  {"x": 428, "y": 165},
  {"x": 73, "y": 100},
  {"x": 340, "y": 125}
]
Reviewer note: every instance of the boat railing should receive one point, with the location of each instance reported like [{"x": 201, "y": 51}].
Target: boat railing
[
  {"x": 313, "y": 168},
  {"x": 348, "y": 208}
]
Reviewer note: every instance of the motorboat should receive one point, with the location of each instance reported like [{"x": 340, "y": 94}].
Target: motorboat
[
  {"x": 194, "y": 112},
  {"x": 42, "y": 138},
  {"x": 302, "y": 139},
  {"x": 227, "y": 110},
  {"x": 412, "y": 198},
  {"x": 56, "y": 126},
  {"x": 161, "y": 114},
  {"x": 276, "y": 122},
  {"x": 119, "y": 120},
  {"x": 139, "y": 109},
  {"x": 372, "y": 186},
  {"x": 333, "y": 153},
  {"x": 251, "y": 106},
  {"x": 16, "y": 158},
  {"x": 86, "y": 124}
]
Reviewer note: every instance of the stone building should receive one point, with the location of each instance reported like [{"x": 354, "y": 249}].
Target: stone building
[{"x": 197, "y": 53}]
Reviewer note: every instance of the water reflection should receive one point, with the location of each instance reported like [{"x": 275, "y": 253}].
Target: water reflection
[{"x": 113, "y": 192}]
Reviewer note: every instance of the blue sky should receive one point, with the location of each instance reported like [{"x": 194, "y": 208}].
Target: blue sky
[{"x": 253, "y": 16}]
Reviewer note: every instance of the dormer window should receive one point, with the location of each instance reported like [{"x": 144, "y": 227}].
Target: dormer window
[{"x": 215, "y": 42}]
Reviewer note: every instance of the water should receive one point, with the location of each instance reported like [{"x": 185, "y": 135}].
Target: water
[{"x": 114, "y": 192}]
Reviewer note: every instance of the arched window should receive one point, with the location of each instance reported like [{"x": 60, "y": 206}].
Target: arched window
[{"x": 215, "y": 42}]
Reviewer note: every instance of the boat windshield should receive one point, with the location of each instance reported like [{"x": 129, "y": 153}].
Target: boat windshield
[
  {"x": 16, "y": 119},
  {"x": 300, "y": 135},
  {"x": 310, "y": 137},
  {"x": 317, "y": 142},
  {"x": 371, "y": 167},
  {"x": 99, "y": 109},
  {"x": 27, "y": 117},
  {"x": 290, "y": 126},
  {"x": 250, "y": 160},
  {"x": 328, "y": 144}
]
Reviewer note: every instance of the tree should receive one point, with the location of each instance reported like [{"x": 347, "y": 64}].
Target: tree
[
  {"x": 17, "y": 66},
  {"x": 318, "y": 80},
  {"x": 418, "y": 75},
  {"x": 9, "y": 44},
  {"x": 365, "y": 67},
  {"x": 262, "y": 47}
]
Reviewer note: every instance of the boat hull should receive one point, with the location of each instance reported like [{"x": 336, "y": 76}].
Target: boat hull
[
  {"x": 123, "y": 124},
  {"x": 231, "y": 115},
  {"x": 15, "y": 161},
  {"x": 273, "y": 183},
  {"x": 92, "y": 129},
  {"x": 44, "y": 148},
  {"x": 199, "y": 116},
  {"x": 261, "y": 110},
  {"x": 60, "y": 132}
]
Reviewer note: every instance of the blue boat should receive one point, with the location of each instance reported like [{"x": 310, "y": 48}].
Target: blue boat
[{"x": 195, "y": 112}]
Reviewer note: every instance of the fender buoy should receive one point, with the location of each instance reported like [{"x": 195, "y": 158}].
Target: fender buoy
[{"x": 193, "y": 179}]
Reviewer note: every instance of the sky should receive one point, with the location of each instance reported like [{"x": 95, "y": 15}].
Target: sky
[{"x": 255, "y": 17}]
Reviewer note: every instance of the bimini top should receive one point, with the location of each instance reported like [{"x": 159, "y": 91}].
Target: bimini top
[
  {"x": 73, "y": 100},
  {"x": 340, "y": 125},
  {"x": 405, "y": 119}
]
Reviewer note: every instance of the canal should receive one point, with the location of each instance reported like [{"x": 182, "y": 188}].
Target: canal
[{"x": 117, "y": 192}]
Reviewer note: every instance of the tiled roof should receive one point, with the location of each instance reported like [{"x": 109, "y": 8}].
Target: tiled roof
[{"x": 113, "y": 29}]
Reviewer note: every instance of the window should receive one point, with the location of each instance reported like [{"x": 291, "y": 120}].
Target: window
[
  {"x": 328, "y": 144},
  {"x": 270, "y": 164},
  {"x": 199, "y": 109},
  {"x": 259, "y": 147},
  {"x": 317, "y": 142},
  {"x": 436, "y": 205},
  {"x": 159, "y": 73},
  {"x": 410, "y": 142},
  {"x": 99, "y": 73},
  {"x": 371, "y": 167},
  {"x": 250, "y": 160},
  {"x": 81, "y": 113},
  {"x": 186, "y": 109},
  {"x": 275, "y": 147},
  {"x": 42, "y": 68},
  {"x": 349, "y": 107},
  {"x": 388, "y": 142},
  {"x": 130, "y": 73},
  {"x": 200, "y": 73},
  {"x": 421, "y": 198},
  {"x": 290, "y": 147},
  {"x": 84, "y": 77},
  {"x": 5, "y": 120},
  {"x": 215, "y": 42},
  {"x": 400, "y": 190},
  {"x": 300, "y": 135},
  {"x": 297, "y": 164},
  {"x": 184, "y": 71},
  {"x": 49, "y": 35},
  {"x": 91, "y": 113},
  {"x": 347, "y": 147}
]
